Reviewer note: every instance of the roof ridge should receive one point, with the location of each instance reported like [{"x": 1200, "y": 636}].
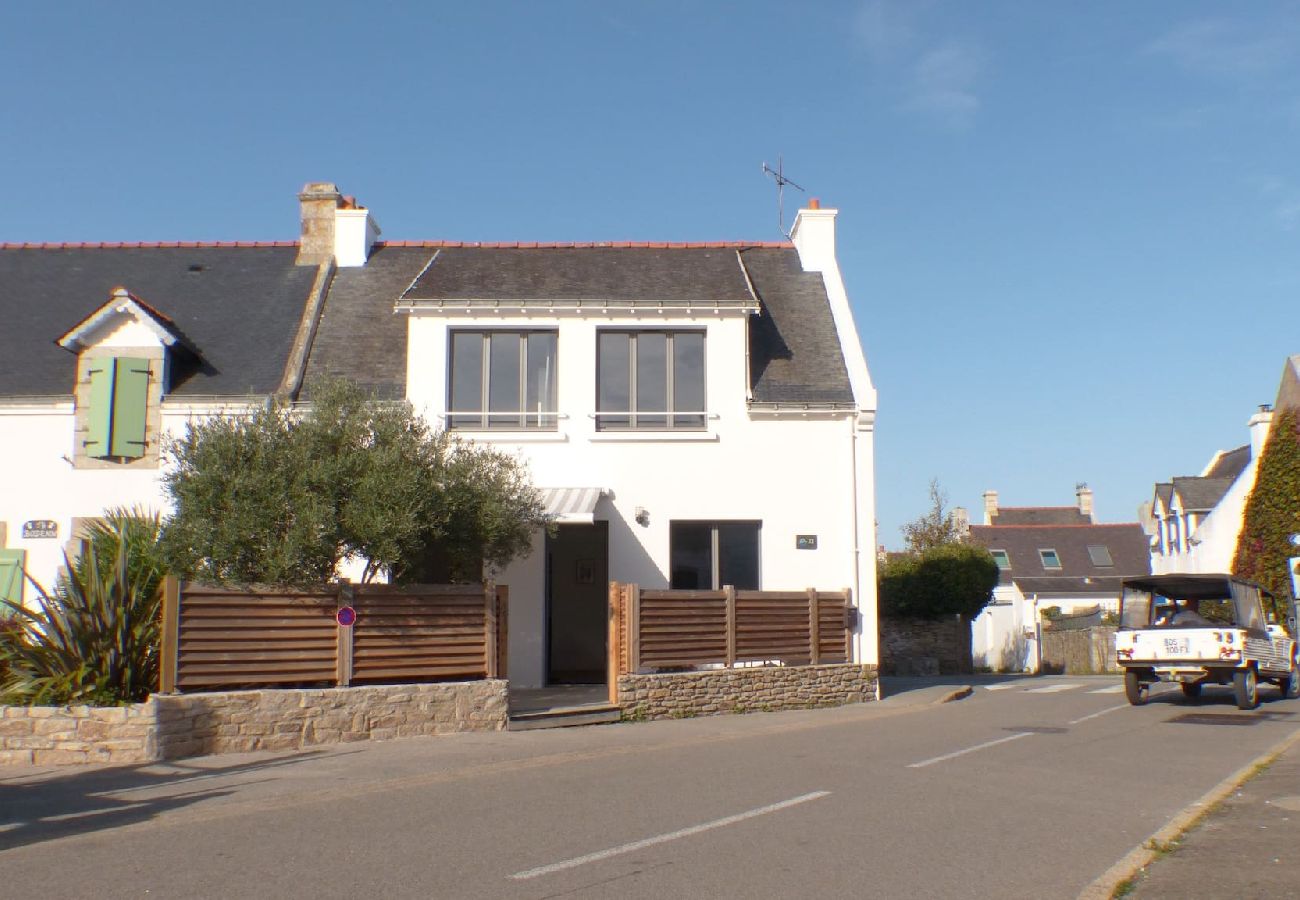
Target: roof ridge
[
  {"x": 1074, "y": 525},
  {"x": 137, "y": 245},
  {"x": 593, "y": 245}
]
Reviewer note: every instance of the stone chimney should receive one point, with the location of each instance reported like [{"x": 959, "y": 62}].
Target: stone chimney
[
  {"x": 990, "y": 506},
  {"x": 1083, "y": 494},
  {"x": 813, "y": 235},
  {"x": 961, "y": 521},
  {"x": 318, "y": 200},
  {"x": 1259, "y": 424},
  {"x": 355, "y": 232}
]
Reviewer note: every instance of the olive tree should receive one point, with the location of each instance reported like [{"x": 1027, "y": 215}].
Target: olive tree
[{"x": 284, "y": 495}]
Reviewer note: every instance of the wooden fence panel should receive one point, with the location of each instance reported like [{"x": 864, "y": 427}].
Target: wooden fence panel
[
  {"x": 228, "y": 637},
  {"x": 422, "y": 633},
  {"x": 683, "y": 629}
]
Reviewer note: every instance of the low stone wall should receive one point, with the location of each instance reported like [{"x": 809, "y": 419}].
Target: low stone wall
[
  {"x": 58, "y": 735},
  {"x": 680, "y": 695},
  {"x": 925, "y": 646},
  {"x": 1086, "y": 651},
  {"x": 180, "y": 725}
]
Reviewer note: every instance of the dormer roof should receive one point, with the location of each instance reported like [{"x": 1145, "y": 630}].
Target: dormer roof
[{"x": 122, "y": 302}]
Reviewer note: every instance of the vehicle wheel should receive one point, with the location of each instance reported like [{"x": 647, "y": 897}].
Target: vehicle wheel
[
  {"x": 1134, "y": 690},
  {"x": 1191, "y": 689},
  {"x": 1246, "y": 686},
  {"x": 1291, "y": 684}
]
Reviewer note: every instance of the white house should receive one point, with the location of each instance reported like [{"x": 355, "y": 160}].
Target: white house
[
  {"x": 1192, "y": 521},
  {"x": 1048, "y": 556},
  {"x": 696, "y": 414}
]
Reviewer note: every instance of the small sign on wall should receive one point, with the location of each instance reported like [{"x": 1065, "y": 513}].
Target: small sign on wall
[
  {"x": 40, "y": 528},
  {"x": 805, "y": 542}
]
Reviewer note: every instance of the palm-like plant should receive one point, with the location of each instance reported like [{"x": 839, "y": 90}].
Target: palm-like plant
[{"x": 95, "y": 639}]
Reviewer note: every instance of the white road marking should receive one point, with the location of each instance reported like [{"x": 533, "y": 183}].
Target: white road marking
[
  {"x": 938, "y": 759},
  {"x": 1053, "y": 688},
  {"x": 1001, "y": 687},
  {"x": 1113, "y": 689},
  {"x": 664, "y": 838},
  {"x": 1096, "y": 714}
]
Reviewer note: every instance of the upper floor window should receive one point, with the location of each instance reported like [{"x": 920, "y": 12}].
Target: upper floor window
[
  {"x": 1000, "y": 557},
  {"x": 116, "y": 413},
  {"x": 502, "y": 379},
  {"x": 1050, "y": 559},
  {"x": 1100, "y": 555},
  {"x": 650, "y": 380}
]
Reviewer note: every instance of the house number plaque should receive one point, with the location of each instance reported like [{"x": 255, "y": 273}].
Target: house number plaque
[
  {"x": 805, "y": 542},
  {"x": 40, "y": 528}
]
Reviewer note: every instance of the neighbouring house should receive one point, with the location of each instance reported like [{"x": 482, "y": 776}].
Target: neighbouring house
[
  {"x": 696, "y": 415},
  {"x": 1048, "y": 556},
  {"x": 1192, "y": 521}
]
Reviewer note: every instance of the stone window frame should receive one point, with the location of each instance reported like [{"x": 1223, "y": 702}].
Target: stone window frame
[{"x": 150, "y": 459}]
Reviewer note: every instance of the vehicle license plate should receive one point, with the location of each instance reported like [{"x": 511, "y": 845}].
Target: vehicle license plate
[{"x": 1176, "y": 645}]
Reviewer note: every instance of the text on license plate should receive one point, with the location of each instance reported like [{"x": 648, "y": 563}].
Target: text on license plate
[{"x": 1176, "y": 645}]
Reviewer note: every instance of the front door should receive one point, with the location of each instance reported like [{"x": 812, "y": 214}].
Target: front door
[{"x": 577, "y": 596}]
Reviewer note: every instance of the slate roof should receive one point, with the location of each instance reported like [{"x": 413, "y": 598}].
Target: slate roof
[
  {"x": 1039, "y": 515},
  {"x": 1230, "y": 463},
  {"x": 359, "y": 335},
  {"x": 794, "y": 348},
  {"x": 1201, "y": 494},
  {"x": 641, "y": 275},
  {"x": 1127, "y": 544},
  {"x": 240, "y": 308}
]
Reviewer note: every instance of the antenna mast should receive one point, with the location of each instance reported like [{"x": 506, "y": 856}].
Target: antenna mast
[{"x": 778, "y": 175}]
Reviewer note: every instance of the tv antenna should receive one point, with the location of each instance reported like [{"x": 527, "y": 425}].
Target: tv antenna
[{"x": 778, "y": 175}]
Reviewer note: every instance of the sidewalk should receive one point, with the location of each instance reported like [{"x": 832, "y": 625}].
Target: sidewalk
[{"x": 1248, "y": 847}]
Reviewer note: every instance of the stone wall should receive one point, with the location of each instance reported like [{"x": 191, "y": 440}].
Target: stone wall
[
  {"x": 925, "y": 646},
  {"x": 1087, "y": 651},
  {"x": 759, "y": 688},
  {"x": 179, "y": 725},
  {"x": 57, "y": 735}
]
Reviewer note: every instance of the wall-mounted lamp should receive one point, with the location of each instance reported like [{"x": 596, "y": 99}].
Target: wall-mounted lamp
[{"x": 642, "y": 516}]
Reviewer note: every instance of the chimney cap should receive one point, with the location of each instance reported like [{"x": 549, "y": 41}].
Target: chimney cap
[{"x": 814, "y": 203}]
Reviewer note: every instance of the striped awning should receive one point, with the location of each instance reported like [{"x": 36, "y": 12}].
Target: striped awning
[{"x": 572, "y": 505}]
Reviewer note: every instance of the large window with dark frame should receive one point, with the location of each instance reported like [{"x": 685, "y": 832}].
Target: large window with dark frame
[
  {"x": 502, "y": 380},
  {"x": 709, "y": 555},
  {"x": 650, "y": 380}
]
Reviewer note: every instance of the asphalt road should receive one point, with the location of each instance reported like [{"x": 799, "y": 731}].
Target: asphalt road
[{"x": 1028, "y": 788}]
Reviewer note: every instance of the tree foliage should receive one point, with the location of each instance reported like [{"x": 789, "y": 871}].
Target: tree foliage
[
  {"x": 941, "y": 581},
  {"x": 1273, "y": 511},
  {"x": 95, "y": 638},
  {"x": 935, "y": 527},
  {"x": 282, "y": 496}
]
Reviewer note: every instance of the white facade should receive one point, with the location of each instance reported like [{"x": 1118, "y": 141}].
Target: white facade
[
  {"x": 798, "y": 471},
  {"x": 1186, "y": 541}
]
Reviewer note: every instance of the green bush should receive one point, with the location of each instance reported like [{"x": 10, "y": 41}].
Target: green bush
[
  {"x": 1273, "y": 513},
  {"x": 95, "y": 638},
  {"x": 942, "y": 581}
]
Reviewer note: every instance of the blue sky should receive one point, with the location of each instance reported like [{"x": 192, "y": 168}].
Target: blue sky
[{"x": 1069, "y": 230}]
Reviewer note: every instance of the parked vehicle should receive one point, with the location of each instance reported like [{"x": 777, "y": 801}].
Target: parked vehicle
[{"x": 1202, "y": 629}]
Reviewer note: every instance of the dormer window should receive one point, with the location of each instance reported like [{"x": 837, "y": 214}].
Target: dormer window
[
  {"x": 117, "y": 415},
  {"x": 1000, "y": 557},
  {"x": 1050, "y": 558},
  {"x": 1100, "y": 555}
]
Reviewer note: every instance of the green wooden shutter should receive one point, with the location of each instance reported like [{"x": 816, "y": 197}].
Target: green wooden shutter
[
  {"x": 99, "y": 412},
  {"x": 130, "y": 403},
  {"x": 12, "y": 563}
]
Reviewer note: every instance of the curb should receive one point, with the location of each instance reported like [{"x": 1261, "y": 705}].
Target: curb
[{"x": 1141, "y": 856}]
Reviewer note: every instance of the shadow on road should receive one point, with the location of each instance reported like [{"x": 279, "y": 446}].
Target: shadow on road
[{"x": 45, "y": 806}]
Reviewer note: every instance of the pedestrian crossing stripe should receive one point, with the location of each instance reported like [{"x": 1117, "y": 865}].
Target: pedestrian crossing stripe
[
  {"x": 1113, "y": 689},
  {"x": 1053, "y": 688},
  {"x": 1000, "y": 687}
]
